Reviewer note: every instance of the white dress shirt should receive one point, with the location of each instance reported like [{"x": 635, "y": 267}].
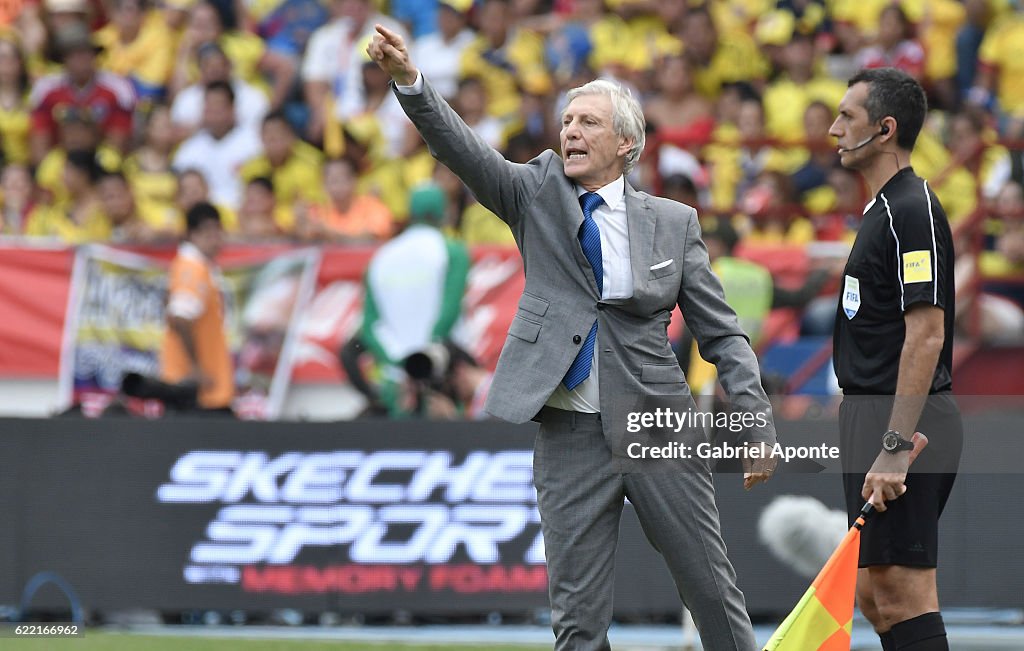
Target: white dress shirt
[
  {"x": 618, "y": 283},
  {"x": 618, "y": 276}
]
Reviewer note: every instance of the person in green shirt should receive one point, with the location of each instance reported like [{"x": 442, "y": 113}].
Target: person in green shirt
[{"x": 414, "y": 286}]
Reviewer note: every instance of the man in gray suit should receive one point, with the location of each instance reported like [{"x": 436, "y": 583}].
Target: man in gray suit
[{"x": 605, "y": 265}]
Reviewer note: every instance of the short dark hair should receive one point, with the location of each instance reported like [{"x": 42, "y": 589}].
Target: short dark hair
[
  {"x": 680, "y": 183},
  {"x": 721, "y": 229},
  {"x": 974, "y": 115},
  {"x": 278, "y": 115},
  {"x": 220, "y": 86},
  {"x": 818, "y": 104},
  {"x": 143, "y": 4},
  {"x": 114, "y": 174},
  {"x": 263, "y": 182},
  {"x": 700, "y": 10},
  {"x": 85, "y": 160},
  {"x": 908, "y": 25},
  {"x": 742, "y": 88},
  {"x": 893, "y": 93},
  {"x": 458, "y": 355},
  {"x": 225, "y": 14},
  {"x": 345, "y": 161},
  {"x": 469, "y": 81},
  {"x": 199, "y": 214},
  {"x": 206, "y": 49}
]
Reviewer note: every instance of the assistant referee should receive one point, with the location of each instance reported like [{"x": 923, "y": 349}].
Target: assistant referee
[{"x": 893, "y": 351}]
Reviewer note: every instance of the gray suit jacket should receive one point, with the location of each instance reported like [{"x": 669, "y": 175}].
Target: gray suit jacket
[{"x": 560, "y": 301}]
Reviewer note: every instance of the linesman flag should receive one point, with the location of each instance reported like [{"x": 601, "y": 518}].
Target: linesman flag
[{"x": 823, "y": 618}]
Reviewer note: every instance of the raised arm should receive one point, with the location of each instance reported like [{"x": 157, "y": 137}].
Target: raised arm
[{"x": 502, "y": 187}]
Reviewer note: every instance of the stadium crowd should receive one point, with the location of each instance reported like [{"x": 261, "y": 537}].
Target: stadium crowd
[{"x": 118, "y": 116}]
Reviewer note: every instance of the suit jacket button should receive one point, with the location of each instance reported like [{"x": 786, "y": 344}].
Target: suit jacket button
[
  {"x": 576, "y": 339},
  {"x": 600, "y": 306}
]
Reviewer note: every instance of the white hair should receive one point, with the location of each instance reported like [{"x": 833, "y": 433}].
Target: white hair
[{"x": 627, "y": 115}]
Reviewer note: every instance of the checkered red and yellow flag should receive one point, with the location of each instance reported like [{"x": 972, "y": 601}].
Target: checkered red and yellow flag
[{"x": 823, "y": 619}]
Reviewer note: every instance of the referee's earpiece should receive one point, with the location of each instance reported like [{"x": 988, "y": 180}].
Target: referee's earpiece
[{"x": 864, "y": 143}]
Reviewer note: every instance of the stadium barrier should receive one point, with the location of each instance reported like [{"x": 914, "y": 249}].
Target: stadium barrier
[{"x": 367, "y": 517}]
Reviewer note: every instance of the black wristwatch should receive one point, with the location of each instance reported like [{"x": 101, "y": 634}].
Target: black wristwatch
[{"x": 893, "y": 443}]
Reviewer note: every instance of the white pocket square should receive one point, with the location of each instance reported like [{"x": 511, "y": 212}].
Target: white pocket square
[{"x": 661, "y": 265}]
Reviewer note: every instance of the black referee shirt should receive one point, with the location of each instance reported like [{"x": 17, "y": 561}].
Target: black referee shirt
[{"x": 903, "y": 255}]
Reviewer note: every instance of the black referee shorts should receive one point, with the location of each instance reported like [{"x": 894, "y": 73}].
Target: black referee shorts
[{"x": 907, "y": 533}]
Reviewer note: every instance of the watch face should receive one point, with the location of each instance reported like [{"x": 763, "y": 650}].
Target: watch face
[{"x": 890, "y": 441}]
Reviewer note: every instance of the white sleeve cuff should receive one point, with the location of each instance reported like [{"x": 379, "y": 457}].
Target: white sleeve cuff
[{"x": 415, "y": 88}]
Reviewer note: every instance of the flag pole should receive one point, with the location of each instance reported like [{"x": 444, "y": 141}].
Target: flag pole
[{"x": 866, "y": 512}]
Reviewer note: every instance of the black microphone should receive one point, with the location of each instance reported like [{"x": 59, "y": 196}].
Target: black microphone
[{"x": 864, "y": 143}]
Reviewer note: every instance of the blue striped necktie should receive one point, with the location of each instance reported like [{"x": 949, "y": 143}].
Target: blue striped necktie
[{"x": 590, "y": 241}]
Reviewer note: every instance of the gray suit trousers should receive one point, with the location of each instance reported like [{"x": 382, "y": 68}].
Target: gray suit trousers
[{"x": 580, "y": 498}]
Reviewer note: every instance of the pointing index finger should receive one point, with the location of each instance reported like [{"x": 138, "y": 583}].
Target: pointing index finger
[{"x": 389, "y": 36}]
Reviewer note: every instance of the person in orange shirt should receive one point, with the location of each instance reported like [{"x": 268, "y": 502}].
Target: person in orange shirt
[
  {"x": 346, "y": 216},
  {"x": 195, "y": 346}
]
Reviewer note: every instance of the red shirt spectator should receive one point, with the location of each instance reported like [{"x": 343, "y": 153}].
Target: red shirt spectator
[
  {"x": 896, "y": 46},
  {"x": 106, "y": 98},
  {"x": 908, "y": 56}
]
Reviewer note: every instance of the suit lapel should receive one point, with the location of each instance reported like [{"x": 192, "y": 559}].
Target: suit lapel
[
  {"x": 573, "y": 223},
  {"x": 640, "y": 221}
]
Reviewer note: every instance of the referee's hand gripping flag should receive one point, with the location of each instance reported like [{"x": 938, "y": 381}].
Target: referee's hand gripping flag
[{"x": 823, "y": 618}]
